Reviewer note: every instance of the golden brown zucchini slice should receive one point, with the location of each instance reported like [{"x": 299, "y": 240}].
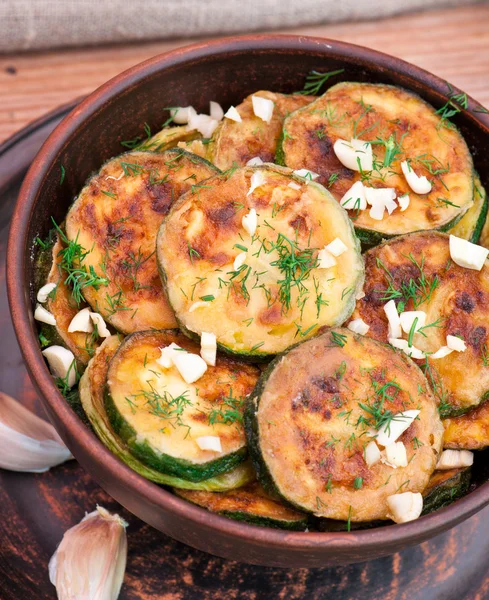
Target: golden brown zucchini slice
[
  {"x": 250, "y": 504},
  {"x": 469, "y": 431},
  {"x": 417, "y": 273},
  {"x": 92, "y": 385},
  {"x": 235, "y": 143},
  {"x": 400, "y": 127},
  {"x": 278, "y": 295},
  {"x": 472, "y": 223},
  {"x": 116, "y": 218},
  {"x": 161, "y": 418},
  {"x": 61, "y": 304},
  {"x": 314, "y": 411}
]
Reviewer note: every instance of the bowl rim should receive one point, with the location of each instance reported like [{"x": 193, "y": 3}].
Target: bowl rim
[{"x": 21, "y": 311}]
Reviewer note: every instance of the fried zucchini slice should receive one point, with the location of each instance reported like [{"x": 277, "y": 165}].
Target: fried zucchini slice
[
  {"x": 312, "y": 414},
  {"x": 279, "y": 294},
  {"x": 444, "y": 487},
  {"x": 91, "y": 388},
  {"x": 400, "y": 126},
  {"x": 469, "y": 431},
  {"x": 160, "y": 417},
  {"x": 250, "y": 504},
  {"x": 62, "y": 305},
  {"x": 170, "y": 137},
  {"x": 233, "y": 144},
  {"x": 416, "y": 271},
  {"x": 470, "y": 226},
  {"x": 116, "y": 218}
]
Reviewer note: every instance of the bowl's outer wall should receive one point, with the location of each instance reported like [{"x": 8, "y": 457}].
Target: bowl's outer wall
[{"x": 225, "y": 71}]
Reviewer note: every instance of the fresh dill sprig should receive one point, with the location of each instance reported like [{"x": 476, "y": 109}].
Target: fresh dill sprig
[{"x": 315, "y": 81}]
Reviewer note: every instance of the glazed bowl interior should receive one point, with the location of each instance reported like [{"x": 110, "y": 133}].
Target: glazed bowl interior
[{"x": 225, "y": 71}]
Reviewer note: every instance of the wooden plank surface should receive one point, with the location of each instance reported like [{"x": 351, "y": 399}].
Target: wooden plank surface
[{"x": 452, "y": 43}]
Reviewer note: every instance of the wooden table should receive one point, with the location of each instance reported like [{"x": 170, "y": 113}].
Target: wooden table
[{"x": 452, "y": 43}]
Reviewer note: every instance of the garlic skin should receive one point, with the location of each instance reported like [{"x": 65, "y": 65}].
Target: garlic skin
[
  {"x": 28, "y": 443},
  {"x": 90, "y": 561}
]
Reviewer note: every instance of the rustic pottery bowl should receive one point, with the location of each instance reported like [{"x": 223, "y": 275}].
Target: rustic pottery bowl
[{"x": 225, "y": 70}]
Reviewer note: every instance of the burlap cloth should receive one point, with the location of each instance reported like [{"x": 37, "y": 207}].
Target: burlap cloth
[{"x": 33, "y": 24}]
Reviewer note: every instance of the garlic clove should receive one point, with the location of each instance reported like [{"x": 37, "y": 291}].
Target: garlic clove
[
  {"x": 408, "y": 317},
  {"x": 61, "y": 363},
  {"x": 90, "y": 561},
  {"x": 233, "y": 114},
  {"x": 306, "y": 174},
  {"x": 355, "y": 198},
  {"x": 44, "y": 316},
  {"x": 411, "y": 351},
  {"x": 43, "y": 293},
  {"x": 404, "y": 202},
  {"x": 466, "y": 254},
  {"x": 209, "y": 442},
  {"x": 182, "y": 114},
  {"x": 263, "y": 108},
  {"x": 239, "y": 261},
  {"x": 250, "y": 221},
  {"x": 455, "y": 459},
  {"x": 355, "y": 154},
  {"x": 396, "y": 455},
  {"x": 215, "y": 111},
  {"x": 190, "y": 366},
  {"x": 325, "y": 259},
  {"x": 456, "y": 343},
  {"x": 419, "y": 185},
  {"x": 372, "y": 454},
  {"x": 27, "y": 442},
  {"x": 256, "y": 161},
  {"x": 294, "y": 185},
  {"x": 167, "y": 354},
  {"x": 358, "y": 326},
  {"x": 391, "y": 431},
  {"x": 405, "y": 507},
  {"x": 337, "y": 247},
  {"x": 208, "y": 348},
  {"x": 393, "y": 319},
  {"x": 81, "y": 322},
  {"x": 441, "y": 352},
  {"x": 100, "y": 324},
  {"x": 257, "y": 180}
]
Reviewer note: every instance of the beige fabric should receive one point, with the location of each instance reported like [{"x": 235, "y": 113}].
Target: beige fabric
[{"x": 33, "y": 24}]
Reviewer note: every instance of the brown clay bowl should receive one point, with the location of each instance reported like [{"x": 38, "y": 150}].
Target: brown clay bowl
[{"x": 225, "y": 70}]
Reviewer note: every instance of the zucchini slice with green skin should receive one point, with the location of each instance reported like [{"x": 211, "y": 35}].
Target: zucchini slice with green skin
[
  {"x": 161, "y": 418},
  {"x": 279, "y": 295},
  {"x": 417, "y": 272},
  {"x": 91, "y": 388},
  {"x": 469, "y": 431},
  {"x": 250, "y": 504},
  {"x": 116, "y": 218},
  {"x": 62, "y": 305},
  {"x": 401, "y": 126},
  {"x": 444, "y": 487},
  {"x": 470, "y": 226},
  {"x": 234, "y": 144},
  {"x": 310, "y": 418}
]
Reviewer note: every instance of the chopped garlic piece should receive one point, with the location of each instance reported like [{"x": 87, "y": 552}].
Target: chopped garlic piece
[
  {"x": 336, "y": 247},
  {"x": 182, "y": 114},
  {"x": 306, "y": 174},
  {"x": 441, "y": 352},
  {"x": 294, "y": 185},
  {"x": 405, "y": 507},
  {"x": 404, "y": 202},
  {"x": 392, "y": 430},
  {"x": 380, "y": 199},
  {"x": 455, "y": 459},
  {"x": 250, "y": 221},
  {"x": 208, "y": 348},
  {"x": 419, "y": 185},
  {"x": 358, "y": 326},
  {"x": 43, "y": 293},
  {"x": 325, "y": 259},
  {"x": 263, "y": 108},
  {"x": 233, "y": 114},
  {"x": 256, "y": 161},
  {"x": 167, "y": 353},
  {"x": 190, "y": 366},
  {"x": 390, "y": 310},
  {"x": 240, "y": 260},
  {"x": 360, "y": 295},
  {"x": 355, "y": 154},
  {"x": 44, "y": 316},
  {"x": 355, "y": 198},
  {"x": 98, "y": 321},
  {"x": 455, "y": 343},
  {"x": 372, "y": 454},
  {"x": 408, "y": 317},
  {"x": 411, "y": 351},
  {"x": 396, "y": 455},
  {"x": 81, "y": 322},
  {"x": 467, "y": 255},
  {"x": 204, "y": 124},
  {"x": 257, "y": 180},
  {"x": 209, "y": 442},
  {"x": 215, "y": 111},
  {"x": 62, "y": 363}
]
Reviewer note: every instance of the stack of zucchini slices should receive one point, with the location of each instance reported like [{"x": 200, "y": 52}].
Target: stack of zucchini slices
[{"x": 206, "y": 306}]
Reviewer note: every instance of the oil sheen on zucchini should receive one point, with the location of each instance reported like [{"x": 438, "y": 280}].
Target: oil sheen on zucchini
[
  {"x": 416, "y": 271},
  {"x": 91, "y": 389},
  {"x": 400, "y": 126},
  {"x": 116, "y": 218},
  {"x": 160, "y": 417},
  {"x": 444, "y": 487},
  {"x": 279, "y": 295},
  {"x": 469, "y": 431},
  {"x": 250, "y": 504},
  {"x": 62, "y": 305},
  {"x": 308, "y": 422},
  {"x": 233, "y": 144},
  {"x": 470, "y": 226}
]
